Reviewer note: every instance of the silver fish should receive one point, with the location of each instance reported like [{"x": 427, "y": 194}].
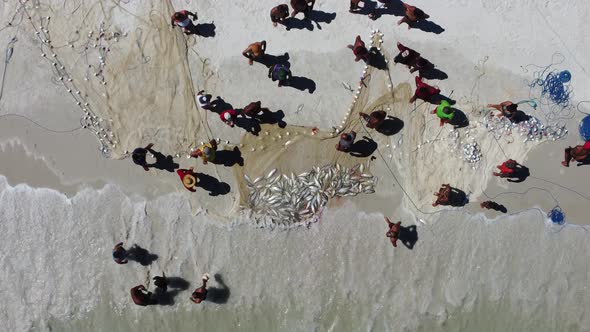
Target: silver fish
[{"x": 271, "y": 173}]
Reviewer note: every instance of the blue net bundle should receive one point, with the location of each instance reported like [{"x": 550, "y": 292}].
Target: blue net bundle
[
  {"x": 585, "y": 128},
  {"x": 554, "y": 87}
]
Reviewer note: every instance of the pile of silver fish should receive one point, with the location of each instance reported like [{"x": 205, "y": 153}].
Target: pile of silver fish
[
  {"x": 471, "y": 153},
  {"x": 292, "y": 199},
  {"x": 531, "y": 130}
]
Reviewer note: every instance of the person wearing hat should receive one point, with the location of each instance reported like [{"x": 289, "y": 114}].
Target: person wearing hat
[
  {"x": 412, "y": 15},
  {"x": 229, "y": 117},
  {"x": 444, "y": 111},
  {"x": 359, "y": 50},
  {"x": 375, "y": 119},
  {"x": 279, "y": 72},
  {"x": 255, "y": 51},
  {"x": 188, "y": 178},
  {"x": 206, "y": 151},
  {"x": 182, "y": 20},
  {"x": 204, "y": 100},
  {"x": 346, "y": 141},
  {"x": 423, "y": 91},
  {"x": 120, "y": 254}
]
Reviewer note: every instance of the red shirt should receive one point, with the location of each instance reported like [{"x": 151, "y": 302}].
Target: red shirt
[
  {"x": 586, "y": 145},
  {"x": 182, "y": 173},
  {"x": 184, "y": 15},
  {"x": 505, "y": 170},
  {"x": 232, "y": 113},
  {"x": 428, "y": 91}
]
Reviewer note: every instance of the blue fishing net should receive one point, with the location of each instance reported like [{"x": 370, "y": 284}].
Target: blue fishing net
[
  {"x": 585, "y": 128},
  {"x": 557, "y": 216}
]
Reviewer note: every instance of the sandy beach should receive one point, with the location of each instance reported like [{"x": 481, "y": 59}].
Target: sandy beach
[{"x": 85, "y": 82}]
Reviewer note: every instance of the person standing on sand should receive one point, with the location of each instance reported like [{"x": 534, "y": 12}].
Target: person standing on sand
[
  {"x": 375, "y": 120},
  {"x": 182, "y": 20},
  {"x": 423, "y": 91},
  {"x": 445, "y": 112},
  {"x": 204, "y": 100},
  {"x": 206, "y": 151},
  {"x": 255, "y": 51},
  {"x": 393, "y": 232},
  {"x": 200, "y": 294},
  {"x": 443, "y": 195},
  {"x": 578, "y": 153},
  {"x": 279, "y": 14},
  {"x": 346, "y": 141},
  {"x": 138, "y": 155},
  {"x": 507, "y": 109},
  {"x": 187, "y": 176},
  {"x": 141, "y": 296},
  {"x": 359, "y": 50},
  {"x": 507, "y": 169},
  {"x": 120, "y": 254},
  {"x": 279, "y": 72},
  {"x": 229, "y": 117},
  {"x": 491, "y": 205},
  {"x": 253, "y": 109},
  {"x": 302, "y": 6},
  {"x": 412, "y": 15}
]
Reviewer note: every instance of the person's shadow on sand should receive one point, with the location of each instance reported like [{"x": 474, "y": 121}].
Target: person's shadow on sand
[
  {"x": 140, "y": 255},
  {"x": 218, "y": 295},
  {"x": 273, "y": 117},
  {"x": 520, "y": 174},
  {"x": 301, "y": 83},
  {"x": 459, "y": 120},
  {"x": 212, "y": 185},
  {"x": 248, "y": 124},
  {"x": 390, "y": 126},
  {"x": 219, "y": 105},
  {"x": 165, "y": 163},
  {"x": 428, "y": 26},
  {"x": 376, "y": 59},
  {"x": 408, "y": 236},
  {"x": 175, "y": 286},
  {"x": 315, "y": 16},
  {"x": 270, "y": 60},
  {"x": 228, "y": 158},
  {"x": 457, "y": 198},
  {"x": 203, "y": 29},
  {"x": 363, "y": 148}
]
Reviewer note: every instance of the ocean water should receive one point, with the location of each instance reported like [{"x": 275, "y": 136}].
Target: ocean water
[{"x": 465, "y": 273}]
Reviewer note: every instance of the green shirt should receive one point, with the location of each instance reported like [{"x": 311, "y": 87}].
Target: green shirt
[{"x": 440, "y": 110}]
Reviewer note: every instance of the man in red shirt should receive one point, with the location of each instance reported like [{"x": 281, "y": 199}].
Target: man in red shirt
[
  {"x": 359, "y": 50},
  {"x": 188, "y": 178},
  {"x": 578, "y": 153},
  {"x": 229, "y": 117},
  {"x": 393, "y": 233},
  {"x": 139, "y": 297},
  {"x": 507, "y": 168},
  {"x": 423, "y": 91},
  {"x": 200, "y": 294},
  {"x": 412, "y": 15}
]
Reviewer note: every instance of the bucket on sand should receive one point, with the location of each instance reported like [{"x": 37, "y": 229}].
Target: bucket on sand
[{"x": 557, "y": 216}]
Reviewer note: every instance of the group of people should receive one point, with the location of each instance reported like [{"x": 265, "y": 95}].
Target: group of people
[
  {"x": 414, "y": 61},
  {"x": 142, "y": 296}
]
